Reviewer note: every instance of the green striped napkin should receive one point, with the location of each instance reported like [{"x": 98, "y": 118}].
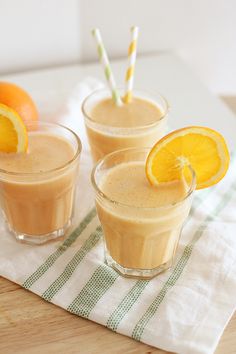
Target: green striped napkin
[{"x": 184, "y": 310}]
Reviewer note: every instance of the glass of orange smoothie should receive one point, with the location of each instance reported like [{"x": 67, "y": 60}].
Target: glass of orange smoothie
[
  {"x": 110, "y": 127},
  {"x": 37, "y": 188},
  {"x": 141, "y": 223}
]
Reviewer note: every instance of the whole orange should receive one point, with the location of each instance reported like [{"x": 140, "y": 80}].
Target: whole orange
[{"x": 18, "y": 99}]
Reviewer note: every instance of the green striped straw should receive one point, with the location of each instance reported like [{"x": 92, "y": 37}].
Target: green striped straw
[{"x": 107, "y": 68}]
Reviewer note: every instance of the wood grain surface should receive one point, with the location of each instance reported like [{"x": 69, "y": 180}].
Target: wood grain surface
[{"x": 30, "y": 325}]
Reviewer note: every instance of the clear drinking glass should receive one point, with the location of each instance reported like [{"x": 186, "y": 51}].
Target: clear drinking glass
[
  {"x": 38, "y": 206},
  {"x": 104, "y": 139},
  {"x": 139, "y": 242}
]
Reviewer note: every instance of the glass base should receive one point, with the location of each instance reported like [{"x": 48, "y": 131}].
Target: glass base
[
  {"x": 40, "y": 239},
  {"x": 137, "y": 273}
]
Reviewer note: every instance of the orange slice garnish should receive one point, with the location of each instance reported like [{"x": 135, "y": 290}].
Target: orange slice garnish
[
  {"x": 13, "y": 134},
  {"x": 202, "y": 148}
]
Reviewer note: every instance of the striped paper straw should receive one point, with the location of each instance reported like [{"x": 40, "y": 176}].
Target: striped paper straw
[
  {"x": 107, "y": 68},
  {"x": 129, "y": 79}
]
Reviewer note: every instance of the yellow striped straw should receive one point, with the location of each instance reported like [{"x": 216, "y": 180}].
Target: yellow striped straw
[
  {"x": 129, "y": 79},
  {"x": 106, "y": 65}
]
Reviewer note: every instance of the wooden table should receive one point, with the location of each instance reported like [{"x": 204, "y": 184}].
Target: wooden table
[{"x": 30, "y": 325}]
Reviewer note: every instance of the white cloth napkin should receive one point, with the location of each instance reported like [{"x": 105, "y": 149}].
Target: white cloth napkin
[{"x": 183, "y": 310}]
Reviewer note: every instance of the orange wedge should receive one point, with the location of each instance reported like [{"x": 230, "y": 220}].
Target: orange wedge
[
  {"x": 13, "y": 134},
  {"x": 202, "y": 148}
]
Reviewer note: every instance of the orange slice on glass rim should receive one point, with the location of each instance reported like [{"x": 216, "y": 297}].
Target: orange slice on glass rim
[
  {"x": 202, "y": 148},
  {"x": 13, "y": 134}
]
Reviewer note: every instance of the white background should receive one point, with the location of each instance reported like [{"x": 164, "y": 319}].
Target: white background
[{"x": 43, "y": 33}]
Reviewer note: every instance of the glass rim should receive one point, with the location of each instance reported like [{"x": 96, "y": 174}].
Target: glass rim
[
  {"x": 107, "y": 198},
  {"x": 88, "y": 116},
  {"x": 57, "y": 169}
]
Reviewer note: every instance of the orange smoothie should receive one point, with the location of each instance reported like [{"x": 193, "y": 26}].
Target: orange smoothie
[
  {"x": 37, "y": 191},
  {"x": 141, "y": 223},
  {"x": 134, "y": 238},
  {"x": 110, "y": 127}
]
